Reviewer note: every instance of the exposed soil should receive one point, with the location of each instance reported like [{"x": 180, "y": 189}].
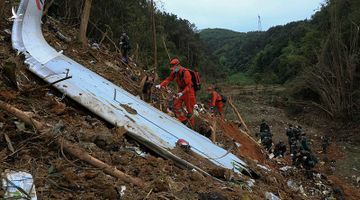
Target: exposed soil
[
  {"x": 340, "y": 163},
  {"x": 58, "y": 175}
]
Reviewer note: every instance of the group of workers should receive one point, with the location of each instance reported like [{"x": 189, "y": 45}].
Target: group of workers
[
  {"x": 185, "y": 100},
  {"x": 185, "y": 95},
  {"x": 267, "y": 142},
  {"x": 300, "y": 150}
]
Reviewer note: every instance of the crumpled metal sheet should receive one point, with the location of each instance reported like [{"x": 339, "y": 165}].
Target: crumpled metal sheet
[{"x": 98, "y": 94}]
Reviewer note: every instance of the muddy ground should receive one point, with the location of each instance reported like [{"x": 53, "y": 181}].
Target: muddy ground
[
  {"x": 340, "y": 164},
  {"x": 58, "y": 175}
]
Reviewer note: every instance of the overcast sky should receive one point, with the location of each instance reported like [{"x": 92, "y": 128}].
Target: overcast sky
[{"x": 241, "y": 15}]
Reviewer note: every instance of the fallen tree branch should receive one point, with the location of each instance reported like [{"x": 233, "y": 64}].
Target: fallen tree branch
[
  {"x": 71, "y": 148},
  {"x": 241, "y": 121},
  {"x": 238, "y": 114}
]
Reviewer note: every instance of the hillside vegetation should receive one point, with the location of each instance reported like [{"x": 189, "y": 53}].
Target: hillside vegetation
[
  {"x": 134, "y": 17},
  {"x": 317, "y": 58}
]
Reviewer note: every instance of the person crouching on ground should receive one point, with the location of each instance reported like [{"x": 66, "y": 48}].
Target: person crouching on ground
[
  {"x": 216, "y": 104},
  {"x": 186, "y": 92}
]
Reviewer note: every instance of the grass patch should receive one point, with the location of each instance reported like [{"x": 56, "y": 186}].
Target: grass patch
[{"x": 240, "y": 79}]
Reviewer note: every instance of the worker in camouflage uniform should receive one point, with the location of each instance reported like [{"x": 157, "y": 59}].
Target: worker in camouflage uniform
[
  {"x": 308, "y": 162},
  {"x": 295, "y": 152},
  {"x": 265, "y": 135},
  {"x": 304, "y": 143},
  {"x": 280, "y": 149},
  {"x": 125, "y": 47},
  {"x": 267, "y": 142},
  {"x": 290, "y": 134},
  {"x": 297, "y": 132},
  {"x": 264, "y": 127}
]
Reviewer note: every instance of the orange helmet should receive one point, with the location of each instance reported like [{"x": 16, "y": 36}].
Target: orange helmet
[{"x": 174, "y": 61}]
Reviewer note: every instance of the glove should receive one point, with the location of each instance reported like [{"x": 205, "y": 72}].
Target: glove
[
  {"x": 157, "y": 86},
  {"x": 179, "y": 94}
]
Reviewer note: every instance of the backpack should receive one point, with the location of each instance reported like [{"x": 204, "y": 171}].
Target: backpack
[
  {"x": 223, "y": 98},
  {"x": 195, "y": 78}
]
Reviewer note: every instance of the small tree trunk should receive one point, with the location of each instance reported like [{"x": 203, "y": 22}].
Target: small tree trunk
[
  {"x": 154, "y": 33},
  {"x": 48, "y": 4},
  {"x": 84, "y": 22}
]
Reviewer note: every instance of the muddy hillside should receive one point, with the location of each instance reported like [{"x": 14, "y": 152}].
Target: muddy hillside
[{"x": 73, "y": 154}]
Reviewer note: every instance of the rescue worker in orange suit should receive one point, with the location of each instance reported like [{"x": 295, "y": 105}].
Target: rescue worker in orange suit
[
  {"x": 186, "y": 92},
  {"x": 215, "y": 101}
]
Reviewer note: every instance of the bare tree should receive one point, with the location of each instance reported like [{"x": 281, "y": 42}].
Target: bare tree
[
  {"x": 333, "y": 78},
  {"x": 84, "y": 22},
  {"x": 154, "y": 33}
]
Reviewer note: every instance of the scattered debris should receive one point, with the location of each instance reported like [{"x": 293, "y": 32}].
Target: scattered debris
[
  {"x": 122, "y": 190},
  {"x": 264, "y": 168},
  {"x": 271, "y": 196},
  {"x": 69, "y": 147},
  {"x": 251, "y": 183},
  {"x": 292, "y": 185},
  {"x": 286, "y": 168},
  {"x": 20, "y": 126},
  {"x": 137, "y": 151},
  {"x": 18, "y": 185}
]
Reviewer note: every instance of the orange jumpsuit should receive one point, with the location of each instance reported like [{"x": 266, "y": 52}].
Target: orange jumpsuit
[
  {"x": 216, "y": 101},
  {"x": 185, "y": 85}
]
